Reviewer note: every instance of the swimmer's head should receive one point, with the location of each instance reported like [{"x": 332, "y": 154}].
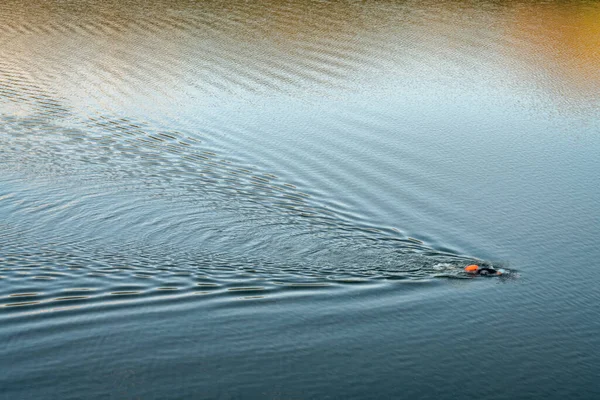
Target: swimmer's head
[{"x": 471, "y": 268}]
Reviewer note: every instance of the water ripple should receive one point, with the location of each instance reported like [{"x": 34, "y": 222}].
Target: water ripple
[{"x": 124, "y": 180}]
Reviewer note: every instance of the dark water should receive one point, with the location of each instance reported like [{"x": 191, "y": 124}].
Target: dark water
[{"x": 276, "y": 199}]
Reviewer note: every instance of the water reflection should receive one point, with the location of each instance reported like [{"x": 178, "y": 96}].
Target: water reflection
[
  {"x": 331, "y": 164},
  {"x": 564, "y": 41},
  {"x": 101, "y": 57},
  {"x": 129, "y": 122}
]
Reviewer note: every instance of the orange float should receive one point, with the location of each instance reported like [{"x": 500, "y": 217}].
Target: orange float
[{"x": 471, "y": 268}]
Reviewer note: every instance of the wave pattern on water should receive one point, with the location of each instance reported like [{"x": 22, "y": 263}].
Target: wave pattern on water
[
  {"x": 48, "y": 279},
  {"x": 160, "y": 169},
  {"x": 206, "y": 51},
  {"x": 95, "y": 158}
]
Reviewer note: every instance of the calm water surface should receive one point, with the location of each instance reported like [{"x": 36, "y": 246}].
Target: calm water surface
[{"x": 275, "y": 199}]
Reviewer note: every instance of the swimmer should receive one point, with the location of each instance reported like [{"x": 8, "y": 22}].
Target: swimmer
[{"x": 484, "y": 271}]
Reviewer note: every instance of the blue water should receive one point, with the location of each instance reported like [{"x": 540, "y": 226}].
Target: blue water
[{"x": 276, "y": 200}]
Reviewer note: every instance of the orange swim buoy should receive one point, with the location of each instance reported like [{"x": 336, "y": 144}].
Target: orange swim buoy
[{"x": 471, "y": 268}]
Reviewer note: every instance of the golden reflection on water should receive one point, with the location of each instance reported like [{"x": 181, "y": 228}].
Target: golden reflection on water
[
  {"x": 563, "y": 40},
  {"x": 108, "y": 54}
]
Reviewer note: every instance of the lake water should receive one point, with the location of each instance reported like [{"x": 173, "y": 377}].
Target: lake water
[{"x": 275, "y": 199}]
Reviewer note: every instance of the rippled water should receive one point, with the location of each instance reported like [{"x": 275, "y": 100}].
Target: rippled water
[{"x": 276, "y": 199}]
